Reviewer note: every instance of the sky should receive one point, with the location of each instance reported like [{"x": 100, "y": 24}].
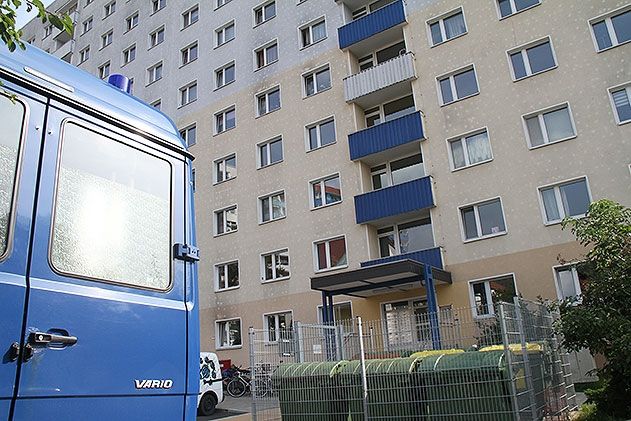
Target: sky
[{"x": 24, "y": 17}]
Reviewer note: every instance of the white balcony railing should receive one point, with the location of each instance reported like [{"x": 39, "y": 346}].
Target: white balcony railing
[{"x": 388, "y": 73}]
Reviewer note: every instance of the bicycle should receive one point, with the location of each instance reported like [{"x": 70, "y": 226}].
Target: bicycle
[{"x": 241, "y": 383}]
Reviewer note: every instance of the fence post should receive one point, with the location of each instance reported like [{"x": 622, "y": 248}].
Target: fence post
[
  {"x": 362, "y": 362},
  {"x": 251, "y": 336},
  {"x": 339, "y": 336},
  {"x": 299, "y": 343},
  {"x": 509, "y": 360},
  {"x": 526, "y": 357}
]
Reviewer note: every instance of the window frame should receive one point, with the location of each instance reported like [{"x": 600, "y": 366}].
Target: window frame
[
  {"x": 321, "y": 181},
  {"x": 155, "y": 32},
  {"x": 559, "y": 201},
  {"x": 327, "y": 241},
  {"x": 129, "y": 54},
  {"x": 189, "y": 12},
  {"x": 225, "y": 264},
  {"x": 265, "y": 93},
  {"x": 151, "y": 71},
  {"x": 309, "y": 25},
  {"x": 261, "y": 6},
  {"x": 606, "y": 17},
  {"x": 312, "y": 73},
  {"x": 87, "y": 25},
  {"x": 223, "y": 113},
  {"x": 186, "y": 129},
  {"x": 216, "y": 173},
  {"x": 526, "y": 60},
  {"x": 276, "y": 325},
  {"x": 478, "y": 225},
  {"x": 217, "y": 5},
  {"x": 223, "y": 69},
  {"x": 388, "y": 169},
  {"x": 109, "y": 9},
  {"x": 218, "y": 346},
  {"x": 222, "y": 29},
  {"x": 157, "y": 5},
  {"x": 451, "y": 76},
  {"x": 223, "y": 210},
  {"x": 318, "y": 124},
  {"x": 487, "y": 291},
  {"x": 187, "y": 87},
  {"x": 396, "y": 233},
  {"x": 462, "y": 139},
  {"x": 544, "y": 130},
  {"x": 187, "y": 50},
  {"x": 271, "y": 206},
  {"x": 262, "y": 266},
  {"x": 157, "y": 103},
  {"x": 575, "y": 278},
  {"x": 514, "y": 10},
  {"x": 130, "y": 20},
  {"x": 84, "y": 55},
  {"x": 107, "y": 36},
  {"x": 264, "y": 48},
  {"x": 107, "y": 65},
  {"x": 627, "y": 87},
  {"x": 440, "y": 20},
  {"x": 259, "y": 163}
]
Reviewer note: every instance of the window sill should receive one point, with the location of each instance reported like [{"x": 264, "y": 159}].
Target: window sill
[
  {"x": 450, "y": 39},
  {"x": 313, "y": 43},
  {"x": 267, "y": 65},
  {"x": 189, "y": 25},
  {"x": 471, "y": 165},
  {"x": 331, "y": 269},
  {"x": 272, "y": 220},
  {"x": 484, "y": 237},
  {"x": 268, "y": 113},
  {"x": 482, "y": 316},
  {"x": 328, "y": 205},
  {"x": 543, "y": 145},
  {"x": 223, "y": 86},
  {"x": 459, "y": 99},
  {"x": 225, "y": 233},
  {"x": 216, "y": 183},
  {"x": 316, "y": 93},
  {"x": 264, "y": 22},
  {"x": 227, "y": 289},
  {"x": 321, "y": 147},
  {"x": 187, "y": 63},
  {"x": 151, "y": 47},
  {"x": 105, "y": 46},
  {"x": 557, "y": 222},
  {"x": 271, "y": 281},
  {"x": 270, "y": 165},
  {"x": 519, "y": 11},
  {"x": 221, "y": 45},
  {"x": 129, "y": 30},
  {"x": 535, "y": 74},
  {"x": 156, "y": 11},
  {"x": 613, "y": 46},
  {"x": 227, "y": 348},
  {"x": 227, "y": 130},
  {"x": 622, "y": 123},
  {"x": 188, "y": 103},
  {"x": 152, "y": 82}
]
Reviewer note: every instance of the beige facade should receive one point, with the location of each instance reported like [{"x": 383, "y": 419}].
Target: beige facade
[{"x": 528, "y": 248}]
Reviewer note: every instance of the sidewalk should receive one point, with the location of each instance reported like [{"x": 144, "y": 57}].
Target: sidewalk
[{"x": 232, "y": 409}]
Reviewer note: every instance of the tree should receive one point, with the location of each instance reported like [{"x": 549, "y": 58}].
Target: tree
[
  {"x": 12, "y": 36},
  {"x": 600, "y": 319}
]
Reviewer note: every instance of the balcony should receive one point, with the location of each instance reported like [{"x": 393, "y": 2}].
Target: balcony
[
  {"x": 376, "y": 24},
  {"x": 386, "y": 140},
  {"x": 376, "y": 206},
  {"x": 432, "y": 257},
  {"x": 384, "y": 81},
  {"x": 65, "y": 51}
]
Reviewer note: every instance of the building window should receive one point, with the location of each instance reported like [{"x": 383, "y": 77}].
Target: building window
[
  {"x": 381, "y": 56},
  {"x": 313, "y": 32},
  {"x": 268, "y": 101},
  {"x": 326, "y": 191},
  {"x": 156, "y": 37},
  {"x": 87, "y": 2},
  {"x": 104, "y": 70},
  {"x": 224, "y": 75},
  {"x": 189, "y": 53},
  {"x": 84, "y": 55},
  {"x": 266, "y": 55},
  {"x": 406, "y": 238},
  {"x": 48, "y": 29},
  {"x": 129, "y": 54},
  {"x": 264, "y": 12},
  {"x": 612, "y": 29},
  {"x": 110, "y": 8},
  {"x": 131, "y": 86},
  {"x": 226, "y": 220},
  {"x": 157, "y": 104},
  {"x": 224, "y": 34},
  {"x": 321, "y": 134},
  {"x": 190, "y": 17},
  {"x": 225, "y": 168},
  {"x": 482, "y": 220},
  {"x": 397, "y": 172},
  {"x": 458, "y": 85},
  {"x": 470, "y": 149},
  {"x": 227, "y": 276},
  {"x": 275, "y": 266},
  {"x": 157, "y": 5},
  {"x": 486, "y": 293},
  {"x": 188, "y": 94},
  {"x": 189, "y": 134},
  {"x": 87, "y": 24},
  {"x": 568, "y": 280},
  {"x": 270, "y": 152},
  {"x": 222, "y": 2},
  {"x": 341, "y": 312},
  {"x": 278, "y": 327},
  {"x": 132, "y": 21},
  {"x": 390, "y": 111},
  {"x": 549, "y": 126},
  {"x": 330, "y": 254},
  {"x": 228, "y": 334},
  {"x": 510, "y": 7},
  {"x": 448, "y": 26},
  {"x": 106, "y": 38},
  {"x": 568, "y": 199},
  {"x": 225, "y": 120},
  {"x": 620, "y": 97},
  {"x": 272, "y": 207},
  {"x": 155, "y": 72},
  {"x": 532, "y": 59},
  {"x": 317, "y": 81}
]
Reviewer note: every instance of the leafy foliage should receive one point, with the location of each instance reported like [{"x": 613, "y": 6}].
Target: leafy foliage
[
  {"x": 600, "y": 319},
  {"x": 12, "y": 35}
]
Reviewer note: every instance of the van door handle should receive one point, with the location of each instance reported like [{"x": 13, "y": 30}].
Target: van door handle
[{"x": 44, "y": 338}]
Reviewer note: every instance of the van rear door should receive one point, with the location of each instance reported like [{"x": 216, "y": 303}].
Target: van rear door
[
  {"x": 106, "y": 316},
  {"x": 21, "y": 120}
]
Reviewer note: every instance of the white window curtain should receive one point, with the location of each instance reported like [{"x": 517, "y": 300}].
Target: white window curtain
[{"x": 478, "y": 148}]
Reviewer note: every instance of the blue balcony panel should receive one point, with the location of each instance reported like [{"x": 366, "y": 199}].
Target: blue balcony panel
[
  {"x": 432, "y": 257},
  {"x": 394, "y": 200},
  {"x": 373, "y": 23},
  {"x": 385, "y": 136}
]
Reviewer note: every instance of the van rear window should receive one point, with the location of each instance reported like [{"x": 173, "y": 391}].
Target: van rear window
[
  {"x": 11, "y": 120},
  {"x": 112, "y": 218}
]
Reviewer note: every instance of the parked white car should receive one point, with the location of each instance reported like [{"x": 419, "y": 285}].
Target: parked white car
[{"x": 210, "y": 385}]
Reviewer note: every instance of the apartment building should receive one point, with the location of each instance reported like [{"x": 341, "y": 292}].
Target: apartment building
[{"x": 371, "y": 158}]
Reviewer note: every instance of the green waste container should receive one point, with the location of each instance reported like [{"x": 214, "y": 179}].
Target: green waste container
[
  {"x": 390, "y": 391},
  {"x": 465, "y": 386},
  {"x": 310, "y": 391}
]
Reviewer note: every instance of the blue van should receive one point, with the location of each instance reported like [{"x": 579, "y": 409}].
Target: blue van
[{"x": 98, "y": 272}]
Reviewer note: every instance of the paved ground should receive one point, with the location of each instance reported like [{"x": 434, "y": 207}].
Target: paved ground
[{"x": 230, "y": 407}]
